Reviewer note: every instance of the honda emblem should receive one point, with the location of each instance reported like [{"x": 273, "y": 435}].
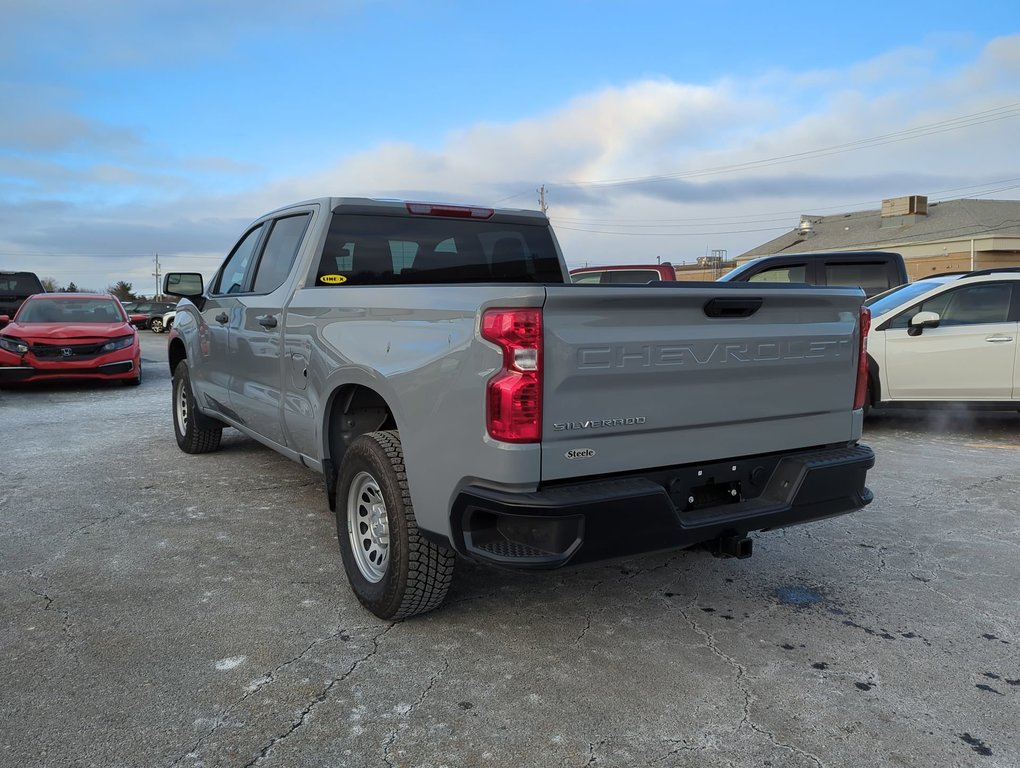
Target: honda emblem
[{"x": 66, "y": 351}]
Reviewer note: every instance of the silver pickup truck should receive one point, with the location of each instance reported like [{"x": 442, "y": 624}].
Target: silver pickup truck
[{"x": 461, "y": 397}]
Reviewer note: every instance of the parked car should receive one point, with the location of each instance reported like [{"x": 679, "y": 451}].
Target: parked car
[
  {"x": 70, "y": 336},
  {"x": 873, "y": 271},
  {"x": 947, "y": 339},
  {"x": 165, "y": 323},
  {"x": 149, "y": 312},
  {"x": 623, "y": 273},
  {"x": 15, "y": 287}
]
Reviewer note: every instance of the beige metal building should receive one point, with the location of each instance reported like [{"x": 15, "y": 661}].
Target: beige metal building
[{"x": 948, "y": 236}]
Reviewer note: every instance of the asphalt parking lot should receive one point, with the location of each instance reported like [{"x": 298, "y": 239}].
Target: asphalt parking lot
[{"x": 161, "y": 609}]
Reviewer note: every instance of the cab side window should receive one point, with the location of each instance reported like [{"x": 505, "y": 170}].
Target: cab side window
[
  {"x": 790, "y": 273},
  {"x": 232, "y": 275},
  {"x": 281, "y": 249}
]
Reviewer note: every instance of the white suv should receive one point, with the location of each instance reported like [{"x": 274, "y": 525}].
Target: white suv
[{"x": 947, "y": 339}]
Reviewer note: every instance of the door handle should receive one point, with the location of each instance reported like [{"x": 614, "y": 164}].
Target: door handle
[
  {"x": 727, "y": 306},
  {"x": 222, "y": 318},
  {"x": 266, "y": 321},
  {"x": 998, "y": 339}
]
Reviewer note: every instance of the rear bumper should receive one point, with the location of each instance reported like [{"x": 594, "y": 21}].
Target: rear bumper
[{"x": 672, "y": 508}]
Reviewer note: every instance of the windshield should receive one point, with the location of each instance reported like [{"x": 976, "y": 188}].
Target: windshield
[
  {"x": 70, "y": 310},
  {"x": 901, "y": 294}
]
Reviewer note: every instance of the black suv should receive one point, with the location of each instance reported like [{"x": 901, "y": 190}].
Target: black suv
[{"x": 15, "y": 287}]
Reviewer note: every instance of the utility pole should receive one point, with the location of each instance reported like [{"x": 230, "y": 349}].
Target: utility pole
[
  {"x": 156, "y": 273},
  {"x": 541, "y": 198}
]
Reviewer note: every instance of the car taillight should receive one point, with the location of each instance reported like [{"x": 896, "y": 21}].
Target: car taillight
[
  {"x": 861, "y": 392},
  {"x": 514, "y": 395}
]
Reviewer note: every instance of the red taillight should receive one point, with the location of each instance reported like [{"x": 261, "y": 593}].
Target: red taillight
[
  {"x": 514, "y": 395},
  {"x": 861, "y": 392},
  {"x": 453, "y": 211}
]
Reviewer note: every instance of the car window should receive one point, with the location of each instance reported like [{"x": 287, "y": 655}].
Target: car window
[
  {"x": 19, "y": 283},
  {"x": 967, "y": 305},
  {"x": 70, "y": 311},
  {"x": 631, "y": 276},
  {"x": 395, "y": 250},
  {"x": 587, "y": 278},
  {"x": 231, "y": 279},
  {"x": 790, "y": 273},
  {"x": 280, "y": 251},
  {"x": 873, "y": 277}
]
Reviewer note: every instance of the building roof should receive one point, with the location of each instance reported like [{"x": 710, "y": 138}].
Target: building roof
[{"x": 946, "y": 220}]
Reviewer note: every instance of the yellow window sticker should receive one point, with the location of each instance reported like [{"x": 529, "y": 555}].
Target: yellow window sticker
[{"x": 333, "y": 279}]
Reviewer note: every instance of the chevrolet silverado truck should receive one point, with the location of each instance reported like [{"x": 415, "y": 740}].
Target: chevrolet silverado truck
[{"x": 461, "y": 397}]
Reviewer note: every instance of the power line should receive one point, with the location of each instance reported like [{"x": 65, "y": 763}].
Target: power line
[{"x": 1003, "y": 112}]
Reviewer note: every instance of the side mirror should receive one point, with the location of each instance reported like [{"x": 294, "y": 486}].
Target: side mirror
[
  {"x": 923, "y": 320},
  {"x": 188, "y": 284}
]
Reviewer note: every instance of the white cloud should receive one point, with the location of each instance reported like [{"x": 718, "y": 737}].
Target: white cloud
[{"x": 689, "y": 133}]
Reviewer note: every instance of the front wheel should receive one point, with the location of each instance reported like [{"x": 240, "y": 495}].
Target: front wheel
[
  {"x": 156, "y": 326},
  {"x": 392, "y": 569},
  {"x": 195, "y": 432}
]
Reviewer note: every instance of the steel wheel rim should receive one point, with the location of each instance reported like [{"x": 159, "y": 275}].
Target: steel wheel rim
[
  {"x": 181, "y": 407},
  {"x": 368, "y": 527}
]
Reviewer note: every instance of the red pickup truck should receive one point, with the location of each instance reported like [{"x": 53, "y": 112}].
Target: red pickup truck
[{"x": 623, "y": 273}]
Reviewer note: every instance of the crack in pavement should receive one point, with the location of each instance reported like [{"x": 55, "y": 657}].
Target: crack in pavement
[
  {"x": 744, "y": 689},
  {"x": 94, "y": 523},
  {"x": 392, "y": 737},
  {"x": 45, "y": 595},
  {"x": 319, "y": 698},
  {"x": 221, "y": 718}
]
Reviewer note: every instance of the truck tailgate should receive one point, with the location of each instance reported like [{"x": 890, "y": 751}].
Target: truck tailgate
[{"x": 677, "y": 374}]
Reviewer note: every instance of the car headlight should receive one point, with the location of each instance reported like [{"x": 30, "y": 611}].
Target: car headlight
[
  {"x": 121, "y": 342},
  {"x": 17, "y": 346}
]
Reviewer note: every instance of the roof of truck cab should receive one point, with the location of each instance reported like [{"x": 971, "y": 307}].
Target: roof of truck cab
[{"x": 372, "y": 205}]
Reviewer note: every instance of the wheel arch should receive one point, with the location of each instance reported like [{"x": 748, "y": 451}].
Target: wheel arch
[
  {"x": 874, "y": 381},
  {"x": 352, "y": 410},
  {"x": 175, "y": 352}
]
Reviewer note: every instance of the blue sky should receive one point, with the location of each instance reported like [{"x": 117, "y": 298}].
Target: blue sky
[{"x": 132, "y": 128}]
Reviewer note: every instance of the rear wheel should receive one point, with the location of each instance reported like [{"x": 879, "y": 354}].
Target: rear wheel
[
  {"x": 156, "y": 326},
  {"x": 195, "y": 432},
  {"x": 392, "y": 569}
]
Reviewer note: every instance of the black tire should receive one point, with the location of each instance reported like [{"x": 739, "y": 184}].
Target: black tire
[
  {"x": 156, "y": 325},
  {"x": 195, "y": 432},
  {"x": 408, "y": 574}
]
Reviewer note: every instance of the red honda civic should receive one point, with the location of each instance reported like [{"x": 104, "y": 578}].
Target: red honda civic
[{"x": 69, "y": 336}]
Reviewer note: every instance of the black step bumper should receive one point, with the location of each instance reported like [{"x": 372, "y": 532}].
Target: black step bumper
[{"x": 670, "y": 508}]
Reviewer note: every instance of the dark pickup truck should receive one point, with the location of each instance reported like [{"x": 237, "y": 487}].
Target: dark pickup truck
[
  {"x": 872, "y": 271},
  {"x": 15, "y": 287}
]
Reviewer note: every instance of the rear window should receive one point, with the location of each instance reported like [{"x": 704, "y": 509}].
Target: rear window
[
  {"x": 20, "y": 284},
  {"x": 395, "y": 250},
  {"x": 617, "y": 276}
]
